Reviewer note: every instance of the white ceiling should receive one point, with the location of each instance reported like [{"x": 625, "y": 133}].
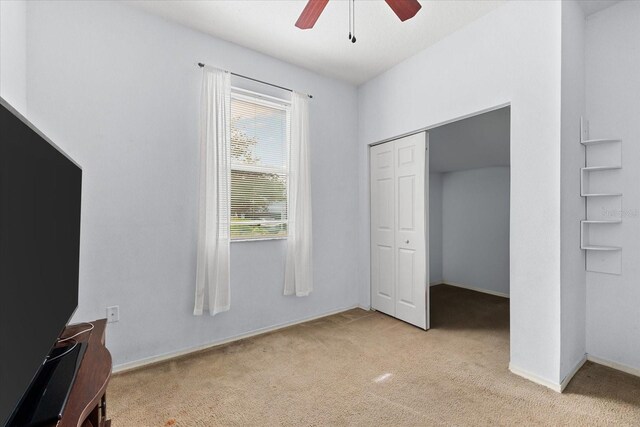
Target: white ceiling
[
  {"x": 268, "y": 26},
  {"x": 476, "y": 142}
]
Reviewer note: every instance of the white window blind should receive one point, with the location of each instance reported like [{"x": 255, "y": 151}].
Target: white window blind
[{"x": 259, "y": 167}]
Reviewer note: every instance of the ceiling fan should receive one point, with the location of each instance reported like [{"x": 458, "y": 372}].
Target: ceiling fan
[{"x": 404, "y": 9}]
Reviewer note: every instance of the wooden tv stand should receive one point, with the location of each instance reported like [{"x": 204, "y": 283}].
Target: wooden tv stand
[{"x": 87, "y": 403}]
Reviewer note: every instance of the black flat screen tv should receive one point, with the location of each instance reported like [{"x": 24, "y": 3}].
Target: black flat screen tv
[{"x": 40, "y": 192}]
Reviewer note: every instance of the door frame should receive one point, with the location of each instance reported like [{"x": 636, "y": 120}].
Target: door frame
[{"x": 426, "y": 130}]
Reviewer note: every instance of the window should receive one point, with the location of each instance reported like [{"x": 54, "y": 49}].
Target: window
[{"x": 259, "y": 167}]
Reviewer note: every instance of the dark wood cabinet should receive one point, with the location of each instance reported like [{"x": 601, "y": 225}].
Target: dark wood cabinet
[{"x": 87, "y": 403}]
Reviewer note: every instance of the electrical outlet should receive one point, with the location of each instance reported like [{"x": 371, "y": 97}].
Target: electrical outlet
[{"x": 113, "y": 313}]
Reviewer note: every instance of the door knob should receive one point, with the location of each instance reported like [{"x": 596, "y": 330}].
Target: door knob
[{"x": 407, "y": 242}]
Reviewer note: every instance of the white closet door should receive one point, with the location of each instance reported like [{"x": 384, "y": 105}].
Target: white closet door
[
  {"x": 399, "y": 197},
  {"x": 382, "y": 228},
  {"x": 410, "y": 229}
]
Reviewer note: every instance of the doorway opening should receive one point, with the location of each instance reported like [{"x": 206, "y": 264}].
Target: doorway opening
[
  {"x": 440, "y": 223},
  {"x": 469, "y": 217}
]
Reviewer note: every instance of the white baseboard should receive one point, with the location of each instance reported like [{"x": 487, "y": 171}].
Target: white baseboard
[
  {"x": 565, "y": 382},
  {"x": 560, "y": 387},
  {"x": 536, "y": 379},
  {"x": 129, "y": 366},
  {"x": 471, "y": 288},
  {"x": 614, "y": 365}
]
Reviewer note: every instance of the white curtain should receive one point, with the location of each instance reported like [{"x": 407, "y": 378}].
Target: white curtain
[
  {"x": 299, "y": 270},
  {"x": 212, "y": 277}
]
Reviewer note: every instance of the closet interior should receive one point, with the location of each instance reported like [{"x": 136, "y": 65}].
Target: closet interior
[{"x": 469, "y": 184}]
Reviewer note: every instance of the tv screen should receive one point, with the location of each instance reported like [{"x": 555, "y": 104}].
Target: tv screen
[{"x": 40, "y": 191}]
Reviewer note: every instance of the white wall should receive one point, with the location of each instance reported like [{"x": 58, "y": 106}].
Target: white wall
[
  {"x": 475, "y": 228},
  {"x": 435, "y": 228},
  {"x": 511, "y": 55},
  {"x": 119, "y": 91},
  {"x": 573, "y": 279},
  {"x": 13, "y": 47},
  {"x": 613, "y": 109}
]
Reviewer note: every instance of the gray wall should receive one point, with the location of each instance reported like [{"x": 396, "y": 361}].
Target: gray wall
[
  {"x": 469, "y": 228},
  {"x": 119, "y": 90},
  {"x": 573, "y": 277},
  {"x": 612, "y": 58},
  {"x": 13, "y": 48},
  {"x": 475, "y": 228},
  {"x": 435, "y": 228}
]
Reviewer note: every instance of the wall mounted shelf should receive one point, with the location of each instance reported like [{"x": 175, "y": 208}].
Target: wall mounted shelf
[
  {"x": 601, "y": 248},
  {"x": 598, "y": 141},
  {"x": 599, "y": 168},
  {"x": 600, "y": 258},
  {"x": 588, "y": 169},
  {"x": 583, "y": 233}
]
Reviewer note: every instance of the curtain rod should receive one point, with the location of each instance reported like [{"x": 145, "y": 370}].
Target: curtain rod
[{"x": 201, "y": 65}]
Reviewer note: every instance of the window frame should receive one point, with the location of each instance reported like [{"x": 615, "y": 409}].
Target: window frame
[{"x": 279, "y": 104}]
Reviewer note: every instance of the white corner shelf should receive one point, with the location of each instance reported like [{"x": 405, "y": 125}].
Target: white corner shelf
[
  {"x": 598, "y": 258},
  {"x": 601, "y": 194},
  {"x": 601, "y": 248},
  {"x": 596, "y": 169},
  {"x": 600, "y": 168},
  {"x": 591, "y": 247},
  {"x": 601, "y": 221},
  {"x": 598, "y": 141}
]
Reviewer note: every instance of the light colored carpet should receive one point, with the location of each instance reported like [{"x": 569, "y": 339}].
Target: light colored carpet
[{"x": 364, "y": 368}]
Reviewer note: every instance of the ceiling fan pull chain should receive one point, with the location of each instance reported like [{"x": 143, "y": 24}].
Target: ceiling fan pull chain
[
  {"x": 353, "y": 39},
  {"x": 349, "y": 5}
]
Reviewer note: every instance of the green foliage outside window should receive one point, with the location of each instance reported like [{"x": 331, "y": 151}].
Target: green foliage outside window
[{"x": 258, "y": 199}]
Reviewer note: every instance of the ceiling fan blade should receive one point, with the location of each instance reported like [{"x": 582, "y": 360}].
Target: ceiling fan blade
[
  {"x": 311, "y": 13},
  {"x": 405, "y": 9}
]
